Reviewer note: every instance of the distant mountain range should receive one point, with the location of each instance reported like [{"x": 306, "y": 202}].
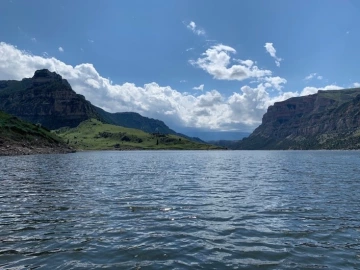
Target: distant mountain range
[
  {"x": 326, "y": 120},
  {"x": 210, "y": 135},
  {"x": 48, "y": 99}
]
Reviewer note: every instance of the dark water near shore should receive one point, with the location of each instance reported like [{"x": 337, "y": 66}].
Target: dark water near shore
[{"x": 181, "y": 210}]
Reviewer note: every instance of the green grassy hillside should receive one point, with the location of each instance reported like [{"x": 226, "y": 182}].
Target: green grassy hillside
[
  {"x": 95, "y": 135},
  {"x": 19, "y": 137},
  {"x": 12, "y": 128}
]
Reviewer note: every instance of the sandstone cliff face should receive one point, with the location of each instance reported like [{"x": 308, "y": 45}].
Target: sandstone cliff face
[
  {"x": 45, "y": 98},
  {"x": 328, "y": 119}
]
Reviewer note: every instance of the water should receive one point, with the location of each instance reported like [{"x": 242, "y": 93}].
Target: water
[{"x": 181, "y": 210}]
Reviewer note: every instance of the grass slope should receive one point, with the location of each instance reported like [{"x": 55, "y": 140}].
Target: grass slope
[
  {"x": 95, "y": 135},
  {"x": 12, "y": 128},
  {"x": 20, "y": 137}
]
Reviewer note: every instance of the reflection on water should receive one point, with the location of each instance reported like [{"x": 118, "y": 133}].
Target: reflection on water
[{"x": 181, "y": 209}]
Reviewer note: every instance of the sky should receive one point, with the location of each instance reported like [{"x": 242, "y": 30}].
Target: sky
[{"x": 206, "y": 65}]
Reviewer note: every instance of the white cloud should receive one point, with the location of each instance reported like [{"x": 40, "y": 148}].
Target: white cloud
[
  {"x": 209, "y": 99},
  {"x": 33, "y": 40},
  {"x": 356, "y": 84},
  {"x": 310, "y": 76},
  {"x": 274, "y": 82},
  {"x": 242, "y": 110},
  {"x": 216, "y": 61},
  {"x": 61, "y": 49},
  {"x": 183, "y": 81},
  {"x": 313, "y": 90},
  {"x": 272, "y": 51},
  {"x": 195, "y": 29},
  {"x": 248, "y": 63},
  {"x": 189, "y": 49},
  {"x": 313, "y": 75},
  {"x": 200, "y": 87}
]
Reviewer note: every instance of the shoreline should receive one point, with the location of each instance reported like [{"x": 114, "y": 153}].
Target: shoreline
[
  {"x": 33, "y": 150},
  {"x": 22, "y": 149},
  {"x": 27, "y": 151}
]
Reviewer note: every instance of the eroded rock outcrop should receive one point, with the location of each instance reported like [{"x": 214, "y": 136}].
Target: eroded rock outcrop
[
  {"x": 46, "y": 98},
  {"x": 326, "y": 120}
]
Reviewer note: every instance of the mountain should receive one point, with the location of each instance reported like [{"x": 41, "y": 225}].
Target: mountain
[
  {"x": 225, "y": 143},
  {"x": 325, "y": 120},
  {"x": 211, "y": 135},
  {"x": 95, "y": 135},
  {"x": 48, "y": 99},
  {"x": 137, "y": 121},
  {"x": 18, "y": 137}
]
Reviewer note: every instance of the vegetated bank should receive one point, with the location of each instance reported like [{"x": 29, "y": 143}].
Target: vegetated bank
[
  {"x": 18, "y": 137},
  {"x": 93, "y": 134}
]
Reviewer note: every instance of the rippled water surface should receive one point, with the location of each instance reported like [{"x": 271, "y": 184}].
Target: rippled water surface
[{"x": 181, "y": 210}]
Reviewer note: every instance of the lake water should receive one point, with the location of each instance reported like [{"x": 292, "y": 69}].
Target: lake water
[{"x": 181, "y": 210}]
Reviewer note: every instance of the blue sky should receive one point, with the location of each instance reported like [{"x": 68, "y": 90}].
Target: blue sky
[{"x": 156, "y": 52}]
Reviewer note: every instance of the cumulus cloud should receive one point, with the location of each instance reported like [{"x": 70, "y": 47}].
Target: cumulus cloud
[
  {"x": 312, "y": 90},
  {"x": 356, "y": 84},
  {"x": 275, "y": 82},
  {"x": 195, "y": 29},
  {"x": 200, "y": 87},
  {"x": 217, "y": 62},
  {"x": 61, "y": 49},
  {"x": 242, "y": 110},
  {"x": 209, "y": 99},
  {"x": 272, "y": 51},
  {"x": 248, "y": 63},
  {"x": 313, "y": 75}
]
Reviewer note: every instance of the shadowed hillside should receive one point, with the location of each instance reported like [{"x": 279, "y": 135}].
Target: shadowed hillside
[{"x": 18, "y": 137}]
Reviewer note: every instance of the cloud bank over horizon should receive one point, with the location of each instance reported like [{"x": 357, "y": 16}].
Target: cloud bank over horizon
[{"x": 242, "y": 110}]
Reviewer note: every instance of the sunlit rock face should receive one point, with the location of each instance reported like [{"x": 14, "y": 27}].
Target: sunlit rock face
[{"x": 328, "y": 119}]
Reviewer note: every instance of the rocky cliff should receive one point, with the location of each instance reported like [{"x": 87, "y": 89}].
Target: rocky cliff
[
  {"x": 49, "y": 100},
  {"x": 45, "y": 98},
  {"x": 326, "y": 120}
]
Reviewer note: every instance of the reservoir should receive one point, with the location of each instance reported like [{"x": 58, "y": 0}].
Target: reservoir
[{"x": 181, "y": 210}]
